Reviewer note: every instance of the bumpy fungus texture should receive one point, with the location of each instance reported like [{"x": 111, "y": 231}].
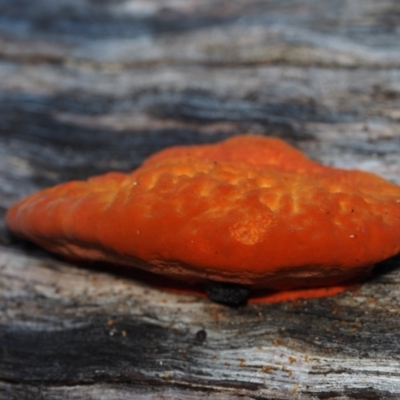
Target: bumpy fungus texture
[{"x": 250, "y": 210}]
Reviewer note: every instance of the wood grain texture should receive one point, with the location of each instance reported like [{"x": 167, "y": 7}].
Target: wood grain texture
[{"x": 91, "y": 86}]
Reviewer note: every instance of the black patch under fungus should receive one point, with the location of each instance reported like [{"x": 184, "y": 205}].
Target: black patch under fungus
[{"x": 229, "y": 294}]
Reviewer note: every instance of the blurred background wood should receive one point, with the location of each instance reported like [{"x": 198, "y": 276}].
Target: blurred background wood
[{"x": 88, "y": 86}]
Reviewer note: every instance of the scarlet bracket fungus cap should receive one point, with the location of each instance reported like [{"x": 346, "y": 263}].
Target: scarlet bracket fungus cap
[{"x": 250, "y": 210}]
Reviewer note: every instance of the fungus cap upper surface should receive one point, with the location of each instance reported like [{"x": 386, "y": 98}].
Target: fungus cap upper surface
[{"x": 250, "y": 210}]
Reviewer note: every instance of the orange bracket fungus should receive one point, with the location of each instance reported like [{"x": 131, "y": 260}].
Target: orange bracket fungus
[{"x": 249, "y": 213}]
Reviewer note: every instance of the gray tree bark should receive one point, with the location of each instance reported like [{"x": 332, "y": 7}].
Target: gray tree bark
[{"x": 88, "y": 86}]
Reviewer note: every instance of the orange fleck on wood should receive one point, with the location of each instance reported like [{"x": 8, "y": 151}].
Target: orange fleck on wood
[
  {"x": 242, "y": 362},
  {"x": 372, "y": 300}
]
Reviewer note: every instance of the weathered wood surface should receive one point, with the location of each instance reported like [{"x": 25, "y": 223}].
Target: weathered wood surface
[{"x": 89, "y": 86}]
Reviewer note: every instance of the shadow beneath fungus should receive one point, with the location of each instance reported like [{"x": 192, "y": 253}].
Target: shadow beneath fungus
[
  {"x": 224, "y": 293},
  {"x": 384, "y": 268},
  {"x": 9, "y": 240}
]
